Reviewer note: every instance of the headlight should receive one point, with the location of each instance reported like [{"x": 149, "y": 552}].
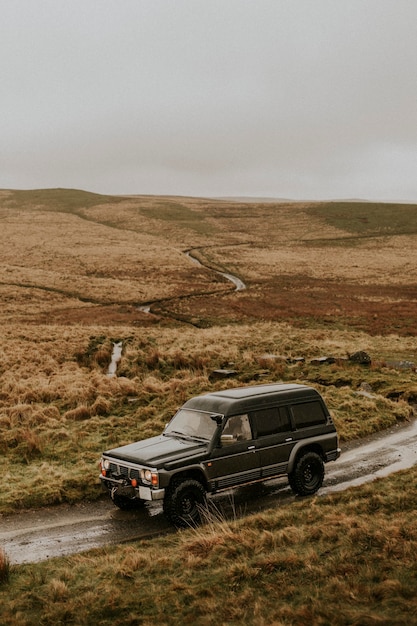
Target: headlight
[
  {"x": 105, "y": 463},
  {"x": 147, "y": 475}
]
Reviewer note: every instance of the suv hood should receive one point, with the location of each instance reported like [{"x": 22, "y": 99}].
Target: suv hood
[{"x": 157, "y": 451}]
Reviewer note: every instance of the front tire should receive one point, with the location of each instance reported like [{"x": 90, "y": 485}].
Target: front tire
[
  {"x": 183, "y": 502},
  {"x": 307, "y": 475}
]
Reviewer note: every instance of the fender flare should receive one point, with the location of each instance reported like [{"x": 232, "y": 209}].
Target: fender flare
[{"x": 314, "y": 444}]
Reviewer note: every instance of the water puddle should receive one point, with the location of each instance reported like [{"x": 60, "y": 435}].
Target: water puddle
[{"x": 377, "y": 457}]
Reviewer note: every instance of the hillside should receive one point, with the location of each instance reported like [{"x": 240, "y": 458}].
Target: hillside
[{"x": 71, "y": 256}]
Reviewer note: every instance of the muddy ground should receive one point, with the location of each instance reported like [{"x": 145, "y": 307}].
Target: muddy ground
[{"x": 32, "y": 536}]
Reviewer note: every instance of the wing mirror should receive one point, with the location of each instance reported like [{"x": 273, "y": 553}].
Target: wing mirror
[{"x": 217, "y": 417}]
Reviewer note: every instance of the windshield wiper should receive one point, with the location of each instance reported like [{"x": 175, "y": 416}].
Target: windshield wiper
[
  {"x": 202, "y": 439},
  {"x": 176, "y": 433}
]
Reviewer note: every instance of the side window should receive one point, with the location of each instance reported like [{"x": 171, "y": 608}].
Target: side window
[
  {"x": 308, "y": 414},
  {"x": 271, "y": 421},
  {"x": 238, "y": 427}
]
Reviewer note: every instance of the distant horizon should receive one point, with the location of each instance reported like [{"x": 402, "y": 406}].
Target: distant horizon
[{"x": 226, "y": 198}]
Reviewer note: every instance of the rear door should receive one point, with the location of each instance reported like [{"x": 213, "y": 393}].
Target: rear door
[{"x": 274, "y": 439}]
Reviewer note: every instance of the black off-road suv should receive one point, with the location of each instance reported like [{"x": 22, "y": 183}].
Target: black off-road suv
[{"x": 224, "y": 439}]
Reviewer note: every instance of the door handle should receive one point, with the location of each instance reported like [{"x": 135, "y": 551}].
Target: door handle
[
  {"x": 289, "y": 439},
  {"x": 251, "y": 448}
]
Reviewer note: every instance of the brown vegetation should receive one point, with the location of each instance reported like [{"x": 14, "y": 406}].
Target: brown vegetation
[
  {"x": 4, "y": 567},
  {"x": 74, "y": 257},
  {"x": 322, "y": 279},
  {"x": 76, "y": 265}
]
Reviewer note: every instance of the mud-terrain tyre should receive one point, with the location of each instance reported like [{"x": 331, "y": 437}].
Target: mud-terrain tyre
[
  {"x": 307, "y": 475},
  {"x": 127, "y": 504},
  {"x": 183, "y": 502}
]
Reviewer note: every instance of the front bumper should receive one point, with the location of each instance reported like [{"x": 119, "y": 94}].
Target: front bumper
[{"x": 122, "y": 488}]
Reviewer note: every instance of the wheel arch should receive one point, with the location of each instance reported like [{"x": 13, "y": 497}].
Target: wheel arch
[
  {"x": 194, "y": 473},
  {"x": 301, "y": 450}
]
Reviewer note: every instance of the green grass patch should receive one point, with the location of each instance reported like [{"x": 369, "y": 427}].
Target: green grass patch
[
  {"x": 60, "y": 200},
  {"x": 368, "y": 219}
]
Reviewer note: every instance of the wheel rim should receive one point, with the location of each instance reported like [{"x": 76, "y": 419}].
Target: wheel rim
[
  {"x": 188, "y": 505},
  {"x": 311, "y": 475}
]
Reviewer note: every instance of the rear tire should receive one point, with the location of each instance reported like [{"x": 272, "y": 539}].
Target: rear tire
[
  {"x": 307, "y": 475},
  {"x": 183, "y": 502}
]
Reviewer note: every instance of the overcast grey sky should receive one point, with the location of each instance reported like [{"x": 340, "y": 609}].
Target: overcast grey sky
[{"x": 297, "y": 99}]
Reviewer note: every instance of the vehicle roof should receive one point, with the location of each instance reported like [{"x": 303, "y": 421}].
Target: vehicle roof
[{"x": 242, "y": 399}]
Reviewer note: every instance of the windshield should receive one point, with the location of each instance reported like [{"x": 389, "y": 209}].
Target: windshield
[{"x": 191, "y": 424}]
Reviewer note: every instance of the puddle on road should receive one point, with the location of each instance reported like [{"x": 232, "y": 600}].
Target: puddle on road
[
  {"x": 74, "y": 531},
  {"x": 378, "y": 456}
]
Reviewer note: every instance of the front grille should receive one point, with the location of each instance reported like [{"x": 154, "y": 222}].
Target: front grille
[{"x": 122, "y": 471}]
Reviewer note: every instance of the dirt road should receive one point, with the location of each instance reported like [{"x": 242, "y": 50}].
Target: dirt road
[{"x": 34, "y": 536}]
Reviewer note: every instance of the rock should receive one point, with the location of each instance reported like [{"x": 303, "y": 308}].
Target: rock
[
  {"x": 215, "y": 374},
  {"x": 366, "y": 394},
  {"x": 361, "y": 357},
  {"x": 365, "y": 390},
  {"x": 401, "y": 365},
  {"x": 323, "y": 360}
]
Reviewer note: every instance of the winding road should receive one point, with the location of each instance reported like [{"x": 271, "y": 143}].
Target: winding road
[
  {"x": 146, "y": 307},
  {"x": 33, "y": 536},
  {"x": 239, "y": 284}
]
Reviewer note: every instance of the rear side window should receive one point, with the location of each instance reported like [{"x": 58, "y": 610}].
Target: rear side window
[
  {"x": 308, "y": 414},
  {"x": 270, "y": 421}
]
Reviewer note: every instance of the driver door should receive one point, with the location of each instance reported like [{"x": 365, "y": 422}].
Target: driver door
[{"x": 235, "y": 460}]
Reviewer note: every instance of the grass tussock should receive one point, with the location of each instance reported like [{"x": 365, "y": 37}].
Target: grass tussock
[
  {"x": 4, "y": 567},
  {"x": 338, "y": 560}
]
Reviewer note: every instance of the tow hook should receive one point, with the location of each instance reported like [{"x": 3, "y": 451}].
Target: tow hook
[{"x": 125, "y": 491}]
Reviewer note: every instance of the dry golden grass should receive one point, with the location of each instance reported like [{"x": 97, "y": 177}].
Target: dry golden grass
[
  {"x": 64, "y": 256},
  {"x": 59, "y": 409},
  {"x": 391, "y": 261},
  {"x": 337, "y": 560}
]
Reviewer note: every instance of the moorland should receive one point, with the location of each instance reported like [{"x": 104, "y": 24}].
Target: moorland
[{"x": 81, "y": 271}]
